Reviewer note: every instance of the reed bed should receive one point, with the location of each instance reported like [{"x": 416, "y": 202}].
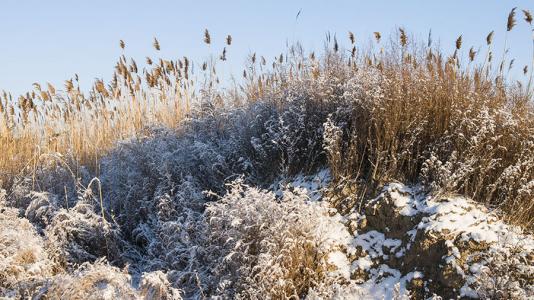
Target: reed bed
[{"x": 398, "y": 110}]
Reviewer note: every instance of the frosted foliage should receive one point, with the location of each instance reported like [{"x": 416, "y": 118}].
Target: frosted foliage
[
  {"x": 24, "y": 261},
  {"x": 271, "y": 200},
  {"x": 268, "y": 247},
  {"x": 80, "y": 235},
  {"x": 92, "y": 281}
]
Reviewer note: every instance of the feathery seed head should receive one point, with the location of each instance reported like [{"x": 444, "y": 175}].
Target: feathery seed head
[
  {"x": 472, "y": 54},
  {"x": 377, "y": 36},
  {"x": 528, "y": 16},
  {"x": 207, "y": 37},
  {"x": 489, "y": 37},
  {"x": 459, "y": 43},
  {"x": 511, "y": 20},
  {"x": 403, "y": 37}
]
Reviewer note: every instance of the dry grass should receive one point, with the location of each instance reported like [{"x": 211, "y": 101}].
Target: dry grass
[
  {"x": 410, "y": 112},
  {"x": 415, "y": 113},
  {"x": 86, "y": 126}
]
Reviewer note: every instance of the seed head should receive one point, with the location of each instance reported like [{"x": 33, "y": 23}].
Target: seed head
[
  {"x": 51, "y": 88},
  {"x": 377, "y": 36},
  {"x": 207, "y": 37},
  {"x": 528, "y": 16},
  {"x": 472, "y": 54},
  {"x": 403, "y": 37},
  {"x": 511, "y": 20},
  {"x": 489, "y": 37}
]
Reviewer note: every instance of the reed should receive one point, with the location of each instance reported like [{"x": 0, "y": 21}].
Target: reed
[{"x": 459, "y": 127}]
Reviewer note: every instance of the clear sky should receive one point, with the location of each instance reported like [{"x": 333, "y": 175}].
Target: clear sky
[{"x": 49, "y": 41}]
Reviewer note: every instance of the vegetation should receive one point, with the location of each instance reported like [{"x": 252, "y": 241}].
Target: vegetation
[{"x": 123, "y": 171}]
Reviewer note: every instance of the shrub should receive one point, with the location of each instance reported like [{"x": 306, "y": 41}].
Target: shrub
[{"x": 267, "y": 247}]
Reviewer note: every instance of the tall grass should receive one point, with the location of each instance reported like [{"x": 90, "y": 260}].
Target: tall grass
[
  {"x": 397, "y": 110},
  {"x": 85, "y": 126}
]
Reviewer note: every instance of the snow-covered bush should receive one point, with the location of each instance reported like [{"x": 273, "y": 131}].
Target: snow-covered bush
[
  {"x": 264, "y": 247},
  {"x": 79, "y": 235},
  {"x": 24, "y": 262},
  {"x": 98, "y": 280},
  {"x": 156, "y": 285},
  {"x": 42, "y": 208}
]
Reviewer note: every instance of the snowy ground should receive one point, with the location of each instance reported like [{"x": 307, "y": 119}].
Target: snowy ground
[
  {"x": 479, "y": 255},
  {"x": 403, "y": 244}
]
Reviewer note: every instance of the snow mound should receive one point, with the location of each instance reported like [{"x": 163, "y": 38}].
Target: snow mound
[{"x": 410, "y": 243}]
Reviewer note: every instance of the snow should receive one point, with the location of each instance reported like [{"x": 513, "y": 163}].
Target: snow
[
  {"x": 364, "y": 263},
  {"x": 311, "y": 185},
  {"x": 374, "y": 243},
  {"x": 385, "y": 283},
  {"x": 341, "y": 262},
  {"x": 292, "y": 212},
  {"x": 457, "y": 219},
  {"x": 455, "y": 214}
]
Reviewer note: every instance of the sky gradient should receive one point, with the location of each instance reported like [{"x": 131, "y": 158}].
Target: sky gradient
[{"x": 49, "y": 42}]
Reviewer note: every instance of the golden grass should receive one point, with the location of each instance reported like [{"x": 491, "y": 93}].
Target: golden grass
[
  {"x": 86, "y": 126},
  {"x": 428, "y": 99}
]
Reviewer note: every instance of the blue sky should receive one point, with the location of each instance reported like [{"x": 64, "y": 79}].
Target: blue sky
[{"x": 49, "y": 41}]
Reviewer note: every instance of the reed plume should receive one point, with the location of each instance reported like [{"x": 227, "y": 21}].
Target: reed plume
[
  {"x": 459, "y": 43},
  {"x": 377, "y": 36},
  {"x": 403, "y": 37},
  {"x": 207, "y": 37},
  {"x": 489, "y": 38},
  {"x": 528, "y": 16},
  {"x": 511, "y": 20}
]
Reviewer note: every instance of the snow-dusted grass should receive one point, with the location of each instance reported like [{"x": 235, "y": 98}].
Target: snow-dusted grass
[
  {"x": 273, "y": 247},
  {"x": 284, "y": 241},
  {"x": 266, "y": 192},
  {"x": 24, "y": 261}
]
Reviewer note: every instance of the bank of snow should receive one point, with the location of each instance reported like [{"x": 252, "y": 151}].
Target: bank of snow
[{"x": 410, "y": 244}]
